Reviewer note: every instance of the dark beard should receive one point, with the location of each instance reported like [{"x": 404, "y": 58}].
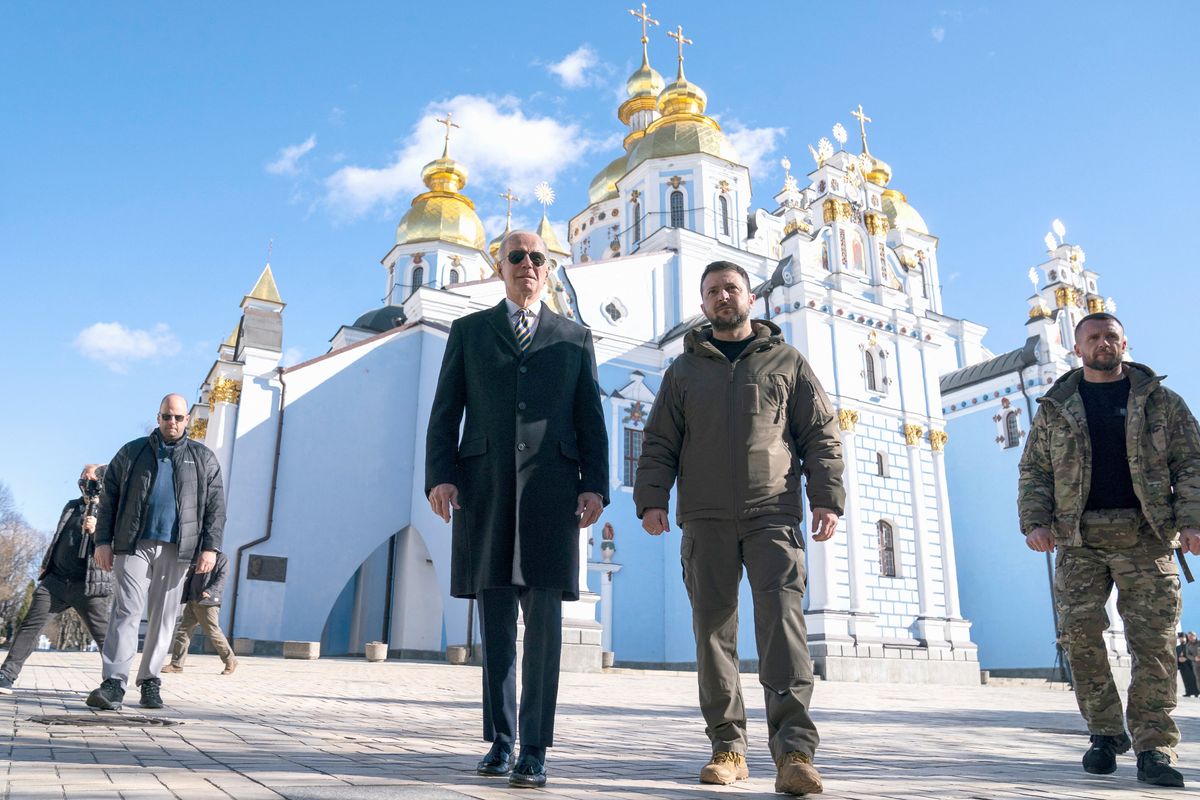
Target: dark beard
[
  {"x": 1109, "y": 363},
  {"x": 733, "y": 323}
]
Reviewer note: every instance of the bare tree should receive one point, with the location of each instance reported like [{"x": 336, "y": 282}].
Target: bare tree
[{"x": 20, "y": 548}]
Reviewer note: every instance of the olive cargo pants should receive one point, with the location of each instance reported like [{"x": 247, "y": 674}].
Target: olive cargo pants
[
  {"x": 712, "y": 553},
  {"x": 1148, "y": 600}
]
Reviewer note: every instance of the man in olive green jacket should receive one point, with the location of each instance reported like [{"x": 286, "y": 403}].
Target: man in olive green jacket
[
  {"x": 1110, "y": 476},
  {"x": 738, "y": 416}
]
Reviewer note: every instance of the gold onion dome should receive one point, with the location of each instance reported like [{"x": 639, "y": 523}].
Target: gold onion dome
[
  {"x": 900, "y": 214},
  {"x": 645, "y": 82},
  {"x": 604, "y": 185},
  {"x": 547, "y": 234},
  {"x": 683, "y": 128},
  {"x": 442, "y": 214},
  {"x": 880, "y": 173}
]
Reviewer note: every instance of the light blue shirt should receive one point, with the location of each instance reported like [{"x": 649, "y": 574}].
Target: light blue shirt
[{"x": 533, "y": 314}]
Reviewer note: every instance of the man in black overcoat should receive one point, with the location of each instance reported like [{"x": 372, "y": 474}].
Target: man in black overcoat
[{"x": 530, "y": 470}]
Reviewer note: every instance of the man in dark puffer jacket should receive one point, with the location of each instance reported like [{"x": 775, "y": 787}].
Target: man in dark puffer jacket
[
  {"x": 68, "y": 579},
  {"x": 162, "y": 508}
]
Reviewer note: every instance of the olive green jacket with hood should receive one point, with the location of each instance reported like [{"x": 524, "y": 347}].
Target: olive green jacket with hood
[
  {"x": 736, "y": 436},
  {"x": 1161, "y": 437}
]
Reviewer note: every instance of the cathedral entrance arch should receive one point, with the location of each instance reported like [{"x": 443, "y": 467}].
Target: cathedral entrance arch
[{"x": 392, "y": 597}]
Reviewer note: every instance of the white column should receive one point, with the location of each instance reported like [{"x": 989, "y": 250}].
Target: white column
[
  {"x": 857, "y": 571},
  {"x": 222, "y": 423},
  {"x": 916, "y": 488},
  {"x": 606, "y": 571},
  {"x": 949, "y": 566},
  {"x": 584, "y": 609}
]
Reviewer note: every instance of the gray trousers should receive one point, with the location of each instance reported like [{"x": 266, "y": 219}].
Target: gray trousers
[
  {"x": 51, "y": 598},
  {"x": 151, "y": 580},
  {"x": 713, "y": 552},
  {"x": 208, "y": 618}
]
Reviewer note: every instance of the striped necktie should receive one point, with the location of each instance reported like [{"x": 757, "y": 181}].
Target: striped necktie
[{"x": 521, "y": 329}]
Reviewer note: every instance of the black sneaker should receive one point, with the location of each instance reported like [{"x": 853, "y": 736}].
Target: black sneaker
[
  {"x": 1155, "y": 768},
  {"x": 108, "y": 696},
  {"x": 5, "y": 684},
  {"x": 1101, "y": 757},
  {"x": 150, "y": 696}
]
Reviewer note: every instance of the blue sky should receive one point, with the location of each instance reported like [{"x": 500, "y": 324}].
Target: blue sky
[{"x": 149, "y": 152}]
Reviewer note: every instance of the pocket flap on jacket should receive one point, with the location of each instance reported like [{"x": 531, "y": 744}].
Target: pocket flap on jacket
[
  {"x": 474, "y": 447},
  {"x": 570, "y": 450}
]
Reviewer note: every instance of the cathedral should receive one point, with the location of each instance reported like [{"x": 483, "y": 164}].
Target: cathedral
[{"x": 332, "y": 541}]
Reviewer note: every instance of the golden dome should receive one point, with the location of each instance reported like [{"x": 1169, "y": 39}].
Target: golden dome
[
  {"x": 442, "y": 214},
  {"x": 682, "y": 97},
  {"x": 646, "y": 82},
  {"x": 553, "y": 245},
  {"x": 604, "y": 185},
  {"x": 900, "y": 214},
  {"x": 683, "y": 134},
  {"x": 880, "y": 173}
]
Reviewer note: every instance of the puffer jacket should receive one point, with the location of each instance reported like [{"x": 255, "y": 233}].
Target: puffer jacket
[
  {"x": 199, "y": 498},
  {"x": 1161, "y": 437},
  {"x": 736, "y": 436},
  {"x": 98, "y": 583}
]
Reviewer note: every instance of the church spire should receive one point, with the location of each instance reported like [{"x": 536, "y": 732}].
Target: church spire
[{"x": 879, "y": 173}]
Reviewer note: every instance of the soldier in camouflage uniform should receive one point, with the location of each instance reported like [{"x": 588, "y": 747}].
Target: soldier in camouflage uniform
[{"x": 1111, "y": 477}]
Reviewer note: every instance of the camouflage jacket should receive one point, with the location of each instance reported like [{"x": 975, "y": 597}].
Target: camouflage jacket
[{"x": 1163, "y": 442}]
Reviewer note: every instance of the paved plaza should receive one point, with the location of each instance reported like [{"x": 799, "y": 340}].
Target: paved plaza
[{"x": 344, "y": 728}]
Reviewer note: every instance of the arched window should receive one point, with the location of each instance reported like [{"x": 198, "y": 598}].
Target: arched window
[
  {"x": 677, "y": 209},
  {"x": 723, "y": 208},
  {"x": 418, "y": 278},
  {"x": 637, "y": 221},
  {"x": 1012, "y": 432},
  {"x": 454, "y": 276},
  {"x": 887, "y": 549},
  {"x": 869, "y": 367}
]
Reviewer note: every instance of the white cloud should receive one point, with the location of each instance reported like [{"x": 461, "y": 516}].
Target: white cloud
[
  {"x": 573, "y": 70},
  {"x": 499, "y": 144},
  {"x": 938, "y": 33},
  {"x": 754, "y": 146},
  {"x": 290, "y": 156},
  {"x": 116, "y": 347}
]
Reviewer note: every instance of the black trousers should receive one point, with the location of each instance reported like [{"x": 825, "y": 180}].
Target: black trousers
[
  {"x": 1187, "y": 671},
  {"x": 542, "y": 609},
  {"x": 50, "y": 598}
]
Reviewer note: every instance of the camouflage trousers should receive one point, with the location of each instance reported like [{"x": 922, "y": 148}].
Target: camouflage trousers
[{"x": 1148, "y": 600}]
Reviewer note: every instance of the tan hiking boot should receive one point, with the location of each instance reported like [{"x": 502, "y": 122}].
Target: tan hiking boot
[
  {"x": 797, "y": 775},
  {"x": 230, "y": 666},
  {"x": 725, "y": 768}
]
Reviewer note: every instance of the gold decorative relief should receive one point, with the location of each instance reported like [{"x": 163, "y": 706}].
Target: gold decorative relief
[
  {"x": 847, "y": 418},
  {"x": 912, "y": 434},
  {"x": 937, "y": 440},
  {"x": 225, "y": 390},
  {"x": 198, "y": 429}
]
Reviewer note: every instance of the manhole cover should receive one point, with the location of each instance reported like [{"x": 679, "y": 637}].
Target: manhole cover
[{"x": 110, "y": 721}]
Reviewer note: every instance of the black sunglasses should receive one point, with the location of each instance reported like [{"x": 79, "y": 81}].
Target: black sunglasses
[
  {"x": 536, "y": 258},
  {"x": 176, "y": 417}
]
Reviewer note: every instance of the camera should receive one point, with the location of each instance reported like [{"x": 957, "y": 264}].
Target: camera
[{"x": 91, "y": 487}]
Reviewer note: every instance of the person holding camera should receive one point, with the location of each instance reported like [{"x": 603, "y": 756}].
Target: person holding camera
[
  {"x": 68, "y": 578},
  {"x": 161, "y": 511}
]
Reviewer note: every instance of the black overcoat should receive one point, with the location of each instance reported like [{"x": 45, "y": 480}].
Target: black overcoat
[{"x": 533, "y": 440}]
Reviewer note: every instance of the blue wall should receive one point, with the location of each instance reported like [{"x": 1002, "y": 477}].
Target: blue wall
[{"x": 1003, "y": 585}]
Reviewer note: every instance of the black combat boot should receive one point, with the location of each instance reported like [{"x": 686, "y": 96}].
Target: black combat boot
[
  {"x": 150, "y": 696},
  {"x": 108, "y": 696},
  {"x": 1155, "y": 768},
  {"x": 1101, "y": 757}
]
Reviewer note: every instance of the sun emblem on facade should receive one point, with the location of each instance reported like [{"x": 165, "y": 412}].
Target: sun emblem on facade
[
  {"x": 544, "y": 194},
  {"x": 839, "y": 133},
  {"x": 635, "y": 413}
]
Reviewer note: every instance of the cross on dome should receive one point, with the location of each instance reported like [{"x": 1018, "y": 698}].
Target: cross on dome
[
  {"x": 863, "y": 119},
  {"x": 678, "y": 36},
  {"x": 511, "y": 198},
  {"x": 646, "y": 20},
  {"x": 449, "y": 123}
]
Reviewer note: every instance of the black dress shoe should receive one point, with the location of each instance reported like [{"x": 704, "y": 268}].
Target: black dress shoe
[
  {"x": 529, "y": 773},
  {"x": 496, "y": 762}
]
